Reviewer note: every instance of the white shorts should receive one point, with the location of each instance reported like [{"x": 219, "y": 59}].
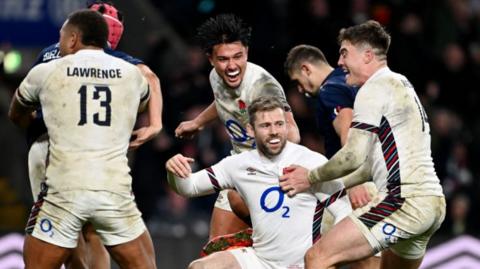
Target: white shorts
[
  {"x": 37, "y": 160},
  {"x": 404, "y": 225},
  {"x": 222, "y": 201},
  {"x": 58, "y": 218},
  {"x": 248, "y": 259}
]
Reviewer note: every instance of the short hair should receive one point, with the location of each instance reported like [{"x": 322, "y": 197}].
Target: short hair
[
  {"x": 224, "y": 28},
  {"x": 92, "y": 26},
  {"x": 303, "y": 53},
  {"x": 261, "y": 104},
  {"x": 369, "y": 33}
]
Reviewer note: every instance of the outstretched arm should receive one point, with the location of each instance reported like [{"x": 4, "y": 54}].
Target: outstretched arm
[
  {"x": 344, "y": 162},
  {"x": 347, "y": 159},
  {"x": 183, "y": 182},
  {"x": 188, "y": 129},
  {"x": 155, "y": 107},
  {"x": 359, "y": 195}
]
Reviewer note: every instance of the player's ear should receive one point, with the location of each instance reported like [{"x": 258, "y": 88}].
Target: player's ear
[
  {"x": 250, "y": 130},
  {"x": 368, "y": 56},
  {"x": 74, "y": 40},
  {"x": 210, "y": 58},
  {"x": 246, "y": 53},
  {"x": 305, "y": 69}
]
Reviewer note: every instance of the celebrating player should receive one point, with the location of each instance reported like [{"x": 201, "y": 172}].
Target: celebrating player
[
  {"x": 389, "y": 140},
  {"x": 283, "y": 228},
  {"x": 90, "y": 252},
  {"x": 89, "y": 102},
  {"x": 235, "y": 84},
  {"x": 308, "y": 68}
]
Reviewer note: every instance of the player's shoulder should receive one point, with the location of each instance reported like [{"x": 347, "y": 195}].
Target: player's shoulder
[
  {"x": 303, "y": 153},
  {"x": 48, "y": 54},
  {"x": 335, "y": 84},
  {"x": 124, "y": 56}
]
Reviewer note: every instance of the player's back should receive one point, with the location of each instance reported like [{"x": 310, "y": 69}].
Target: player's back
[
  {"x": 90, "y": 102},
  {"x": 404, "y": 135}
]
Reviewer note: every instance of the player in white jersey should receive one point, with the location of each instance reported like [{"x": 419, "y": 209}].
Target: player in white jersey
[
  {"x": 389, "y": 140},
  {"x": 235, "y": 83},
  {"x": 283, "y": 228},
  {"x": 90, "y": 252},
  {"x": 90, "y": 102}
]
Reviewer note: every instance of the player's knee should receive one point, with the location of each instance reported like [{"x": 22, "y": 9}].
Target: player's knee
[
  {"x": 197, "y": 264},
  {"x": 310, "y": 255}
]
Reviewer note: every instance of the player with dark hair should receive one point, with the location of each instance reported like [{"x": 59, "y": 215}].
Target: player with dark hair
[
  {"x": 235, "y": 84},
  {"x": 308, "y": 68},
  {"x": 90, "y": 252},
  {"x": 89, "y": 101},
  {"x": 283, "y": 228},
  {"x": 389, "y": 141}
]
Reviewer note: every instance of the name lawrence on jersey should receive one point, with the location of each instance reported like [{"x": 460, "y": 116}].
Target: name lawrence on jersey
[{"x": 86, "y": 72}]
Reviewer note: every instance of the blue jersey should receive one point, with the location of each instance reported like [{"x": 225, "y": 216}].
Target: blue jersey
[
  {"x": 334, "y": 95},
  {"x": 52, "y": 52}
]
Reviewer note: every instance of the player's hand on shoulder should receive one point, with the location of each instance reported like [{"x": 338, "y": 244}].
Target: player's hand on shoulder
[
  {"x": 359, "y": 196},
  {"x": 294, "y": 180},
  {"x": 187, "y": 129},
  {"x": 179, "y": 165},
  {"x": 143, "y": 135}
]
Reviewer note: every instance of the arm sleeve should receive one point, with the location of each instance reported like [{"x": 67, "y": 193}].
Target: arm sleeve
[
  {"x": 203, "y": 182},
  {"x": 29, "y": 90},
  {"x": 369, "y": 107}
]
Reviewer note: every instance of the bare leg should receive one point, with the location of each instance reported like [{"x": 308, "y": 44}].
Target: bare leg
[
  {"x": 78, "y": 259},
  {"x": 138, "y": 253},
  {"x": 218, "y": 260},
  {"x": 97, "y": 254},
  {"x": 225, "y": 222},
  {"x": 342, "y": 244},
  {"x": 368, "y": 263},
  {"x": 239, "y": 207},
  {"x": 391, "y": 260},
  {"x": 40, "y": 254}
]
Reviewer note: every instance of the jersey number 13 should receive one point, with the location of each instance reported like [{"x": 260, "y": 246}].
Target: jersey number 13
[{"x": 104, "y": 97}]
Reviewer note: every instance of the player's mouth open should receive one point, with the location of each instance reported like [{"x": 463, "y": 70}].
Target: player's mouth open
[
  {"x": 274, "y": 141},
  {"x": 232, "y": 75}
]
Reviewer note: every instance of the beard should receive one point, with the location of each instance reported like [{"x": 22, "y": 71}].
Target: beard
[{"x": 268, "y": 152}]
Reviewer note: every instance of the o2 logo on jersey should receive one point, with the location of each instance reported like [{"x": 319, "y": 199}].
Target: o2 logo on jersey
[
  {"x": 269, "y": 208},
  {"x": 237, "y": 132},
  {"x": 46, "y": 227}
]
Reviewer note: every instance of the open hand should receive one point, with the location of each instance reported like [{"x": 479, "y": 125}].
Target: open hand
[{"x": 179, "y": 165}]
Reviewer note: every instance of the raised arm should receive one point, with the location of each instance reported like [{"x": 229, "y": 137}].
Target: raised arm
[{"x": 188, "y": 129}]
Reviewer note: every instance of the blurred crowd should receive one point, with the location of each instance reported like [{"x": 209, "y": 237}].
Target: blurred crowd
[{"x": 435, "y": 43}]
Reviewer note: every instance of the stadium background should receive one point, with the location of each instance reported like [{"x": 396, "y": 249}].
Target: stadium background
[{"x": 435, "y": 43}]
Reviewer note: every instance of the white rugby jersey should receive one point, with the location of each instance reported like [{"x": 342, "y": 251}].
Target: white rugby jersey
[
  {"x": 89, "y": 102},
  {"x": 388, "y": 106},
  {"x": 232, "y": 104},
  {"x": 283, "y": 228}
]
